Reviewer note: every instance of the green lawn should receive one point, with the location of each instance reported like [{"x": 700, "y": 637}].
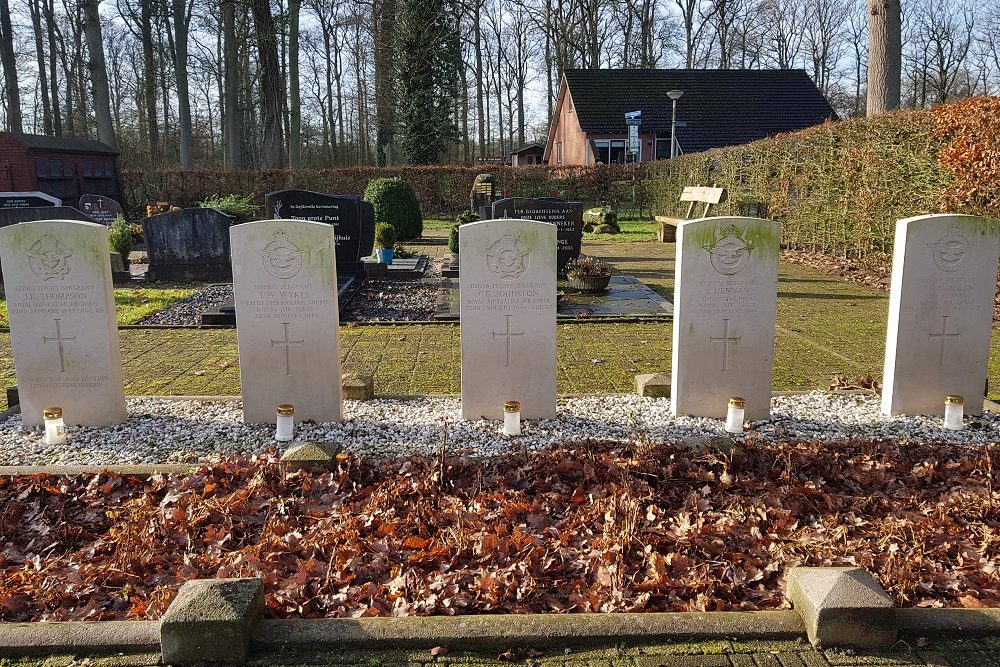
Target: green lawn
[
  {"x": 131, "y": 303},
  {"x": 633, "y": 230}
]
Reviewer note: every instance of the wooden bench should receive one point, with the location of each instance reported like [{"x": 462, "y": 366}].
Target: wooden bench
[{"x": 667, "y": 232}]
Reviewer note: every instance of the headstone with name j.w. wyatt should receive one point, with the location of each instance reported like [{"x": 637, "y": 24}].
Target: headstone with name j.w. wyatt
[
  {"x": 285, "y": 286},
  {"x": 941, "y": 299},
  {"x": 507, "y": 294},
  {"x": 63, "y": 329},
  {"x": 725, "y": 301},
  {"x": 567, "y": 216},
  {"x": 353, "y": 220}
]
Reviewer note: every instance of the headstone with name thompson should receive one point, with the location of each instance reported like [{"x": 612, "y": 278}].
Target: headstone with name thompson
[
  {"x": 944, "y": 271},
  {"x": 507, "y": 295},
  {"x": 12, "y": 216},
  {"x": 61, "y": 307},
  {"x": 285, "y": 287},
  {"x": 725, "y": 302},
  {"x": 353, "y": 220},
  {"x": 567, "y": 216}
]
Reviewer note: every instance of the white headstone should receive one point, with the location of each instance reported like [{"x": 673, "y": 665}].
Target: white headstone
[
  {"x": 725, "y": 300},
  {"x": 285, "y": 287},
  {"x": 507, "y": 294},
  {"x": 944, "y": 272},
  {"x": 61, "y": 307}
]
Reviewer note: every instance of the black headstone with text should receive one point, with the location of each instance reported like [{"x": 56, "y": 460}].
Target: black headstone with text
[
  {"x": 102, "y": 209},
  {"x": 12, "y": 216},
  {"x": 568, "y": 216},
  {"x": 190, "y": 244},
  {"x": 27, "y": 200},
  {"x": 353, "y": 220}
]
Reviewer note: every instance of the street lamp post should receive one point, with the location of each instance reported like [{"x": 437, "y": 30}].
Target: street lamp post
[{"x": 674, "y": 95}]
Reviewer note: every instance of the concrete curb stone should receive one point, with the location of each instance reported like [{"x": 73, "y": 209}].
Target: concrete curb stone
[
  {"x": 211, "y": 620},
  {"x": 842, "y": 606},
  {"x": 28, "y": 639}
]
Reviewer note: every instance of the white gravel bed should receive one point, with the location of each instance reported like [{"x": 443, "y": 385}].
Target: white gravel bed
[{"x": 185, "y": 431}]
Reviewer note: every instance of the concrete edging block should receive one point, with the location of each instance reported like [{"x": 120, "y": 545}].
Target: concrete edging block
[
  {"x": 48, "y": 638},
  {"x": 211, "y": 620},
  {"x": 842, "y": 607}
]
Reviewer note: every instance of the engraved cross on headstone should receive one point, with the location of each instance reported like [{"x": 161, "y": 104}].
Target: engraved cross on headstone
[
  {"x": 286, "y": 343},
  {"x": 943, "y": 336},
  {"x": 60, "y": 340},
  {"x": 507, "y": 335},
  {"x": 726, "y": 339}
]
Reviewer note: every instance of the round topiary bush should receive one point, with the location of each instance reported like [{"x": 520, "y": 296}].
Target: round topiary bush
[{"x": 395, "y": 203}]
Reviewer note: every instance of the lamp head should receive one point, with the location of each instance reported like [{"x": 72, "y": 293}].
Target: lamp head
[{"x": 675, "y": 94}]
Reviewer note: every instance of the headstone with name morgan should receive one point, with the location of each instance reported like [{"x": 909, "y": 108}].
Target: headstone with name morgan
[
  {"x": 63, "y": 329},
  {"x": 27, "y": 200},
  {"x": 353, "y": 220},
  {"x": 285, "y": 285},
  {"x": 507, "y": 294},
  {"x": 725, "y": 300},
  {"x": 567, "y": 216},
  {"x": 944, "y": 270},
  {"x": 190, "y": 244},
  {"x": 102, "y": 209}
]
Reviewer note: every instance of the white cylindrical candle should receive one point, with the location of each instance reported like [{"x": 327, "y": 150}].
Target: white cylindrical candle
[
  {"x": 286, "y": 423},
  {"x": 734, "y": 416},
  {"x": 55, "y": 428},
  {"x": 511, "y": 418},
  {"x": 954, "y": 409}
]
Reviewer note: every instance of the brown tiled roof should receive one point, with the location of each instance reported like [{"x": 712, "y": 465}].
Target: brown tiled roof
[
  {"x": 44, "y": 142},
  {"x": 718, "y": 108}
]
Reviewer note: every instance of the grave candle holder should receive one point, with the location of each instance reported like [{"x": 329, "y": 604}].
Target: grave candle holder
[
  {"x": 734, "y": 416},
  {"x": 285, "y": 429},
  {"x": 954, "y": 409},
  {"x": 55, "y": 427},
  {"x": 512, "y": 418}
]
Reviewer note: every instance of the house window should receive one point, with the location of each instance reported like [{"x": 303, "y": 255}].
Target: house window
[
  {"x": 610, "y": 151},
  {"x": 559, "y": 153},
  {"x": 663, "y": 149}
]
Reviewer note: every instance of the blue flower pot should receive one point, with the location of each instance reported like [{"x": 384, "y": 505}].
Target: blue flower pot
[{"x": 384, "y": 255}]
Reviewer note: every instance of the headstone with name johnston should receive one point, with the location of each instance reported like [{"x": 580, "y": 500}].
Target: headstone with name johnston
[
  {"x": 567, "y": 216},
  {"x": 944, "y": 270},
  {"x": 725, "y": 302},
  {"x": 63, "y": 327},
  {"x": 507, "y": 294},
  {"x": 285, "y": 286},
  {"x": 353, "y": 220}
]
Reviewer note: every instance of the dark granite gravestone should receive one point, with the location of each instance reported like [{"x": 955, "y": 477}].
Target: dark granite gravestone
[
  {"x": 102, "y": 209},
  {"x": 353, "y": 220},
  {"x": 190, "y": 244},
  {"x": 568, "y": 216},
  {"x": 27, "y": 200},
  {"x": 12, "y": 216}
]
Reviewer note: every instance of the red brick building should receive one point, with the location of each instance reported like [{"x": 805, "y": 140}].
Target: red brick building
[{"x": 61, "y": 167}]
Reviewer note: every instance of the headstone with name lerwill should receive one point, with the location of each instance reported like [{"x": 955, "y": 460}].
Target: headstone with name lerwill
[
  {"x": 944, "y": 271},
  {"x": 353, "y": 220},
  {"x": 190, "y": 244},
  {"x": 102, "y": 209},
  {"x": 725, "y": 302},
  {"x": 27, "y": 200},
  {"x": 285, "y": 285},
  {"x": 567, "y": 216},
  {"x": 63, "y": 329},
  {"x": 507, "y": 294}
]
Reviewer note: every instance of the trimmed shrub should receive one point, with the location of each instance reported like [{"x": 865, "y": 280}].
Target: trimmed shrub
[
  {"x": 385, "y": 235},
  {"x": 395, "y": 203},
  {"x": 464, "y": 218},
  {"x": 120, "y": 237},
  {"x": 241, "y": 208},
  {"x": 603, "y": 216}
]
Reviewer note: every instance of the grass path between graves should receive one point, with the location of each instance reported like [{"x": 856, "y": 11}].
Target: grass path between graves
[{"x": 825, "y": 326}]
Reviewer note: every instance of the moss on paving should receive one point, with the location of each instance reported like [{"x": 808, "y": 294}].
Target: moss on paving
[{"x": 826, "y": 326}]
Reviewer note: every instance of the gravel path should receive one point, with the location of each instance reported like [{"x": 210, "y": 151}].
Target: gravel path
[
  {"x": 188, "y": 311},
  {"x": 162, "y": 430}
]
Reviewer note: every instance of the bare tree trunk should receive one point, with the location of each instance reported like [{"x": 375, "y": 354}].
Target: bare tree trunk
[
  {"x": 149, "y": 80},
  {"x": 98, "y": 72},
  {"x": 271, "y": 153},
  {"x": 383, "y": 43},
  {"x": 53, "y": 31},
  {"x": 481, "y": 120},
  {"x": 13, "y": 93},
  {"x": 182, "y": 20},
  {"x": 294, "y": 94},
  {"x": 885, "y": 55},
  {"x": 231, "y": 106},
  {"x": 43, "y": 82}
]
